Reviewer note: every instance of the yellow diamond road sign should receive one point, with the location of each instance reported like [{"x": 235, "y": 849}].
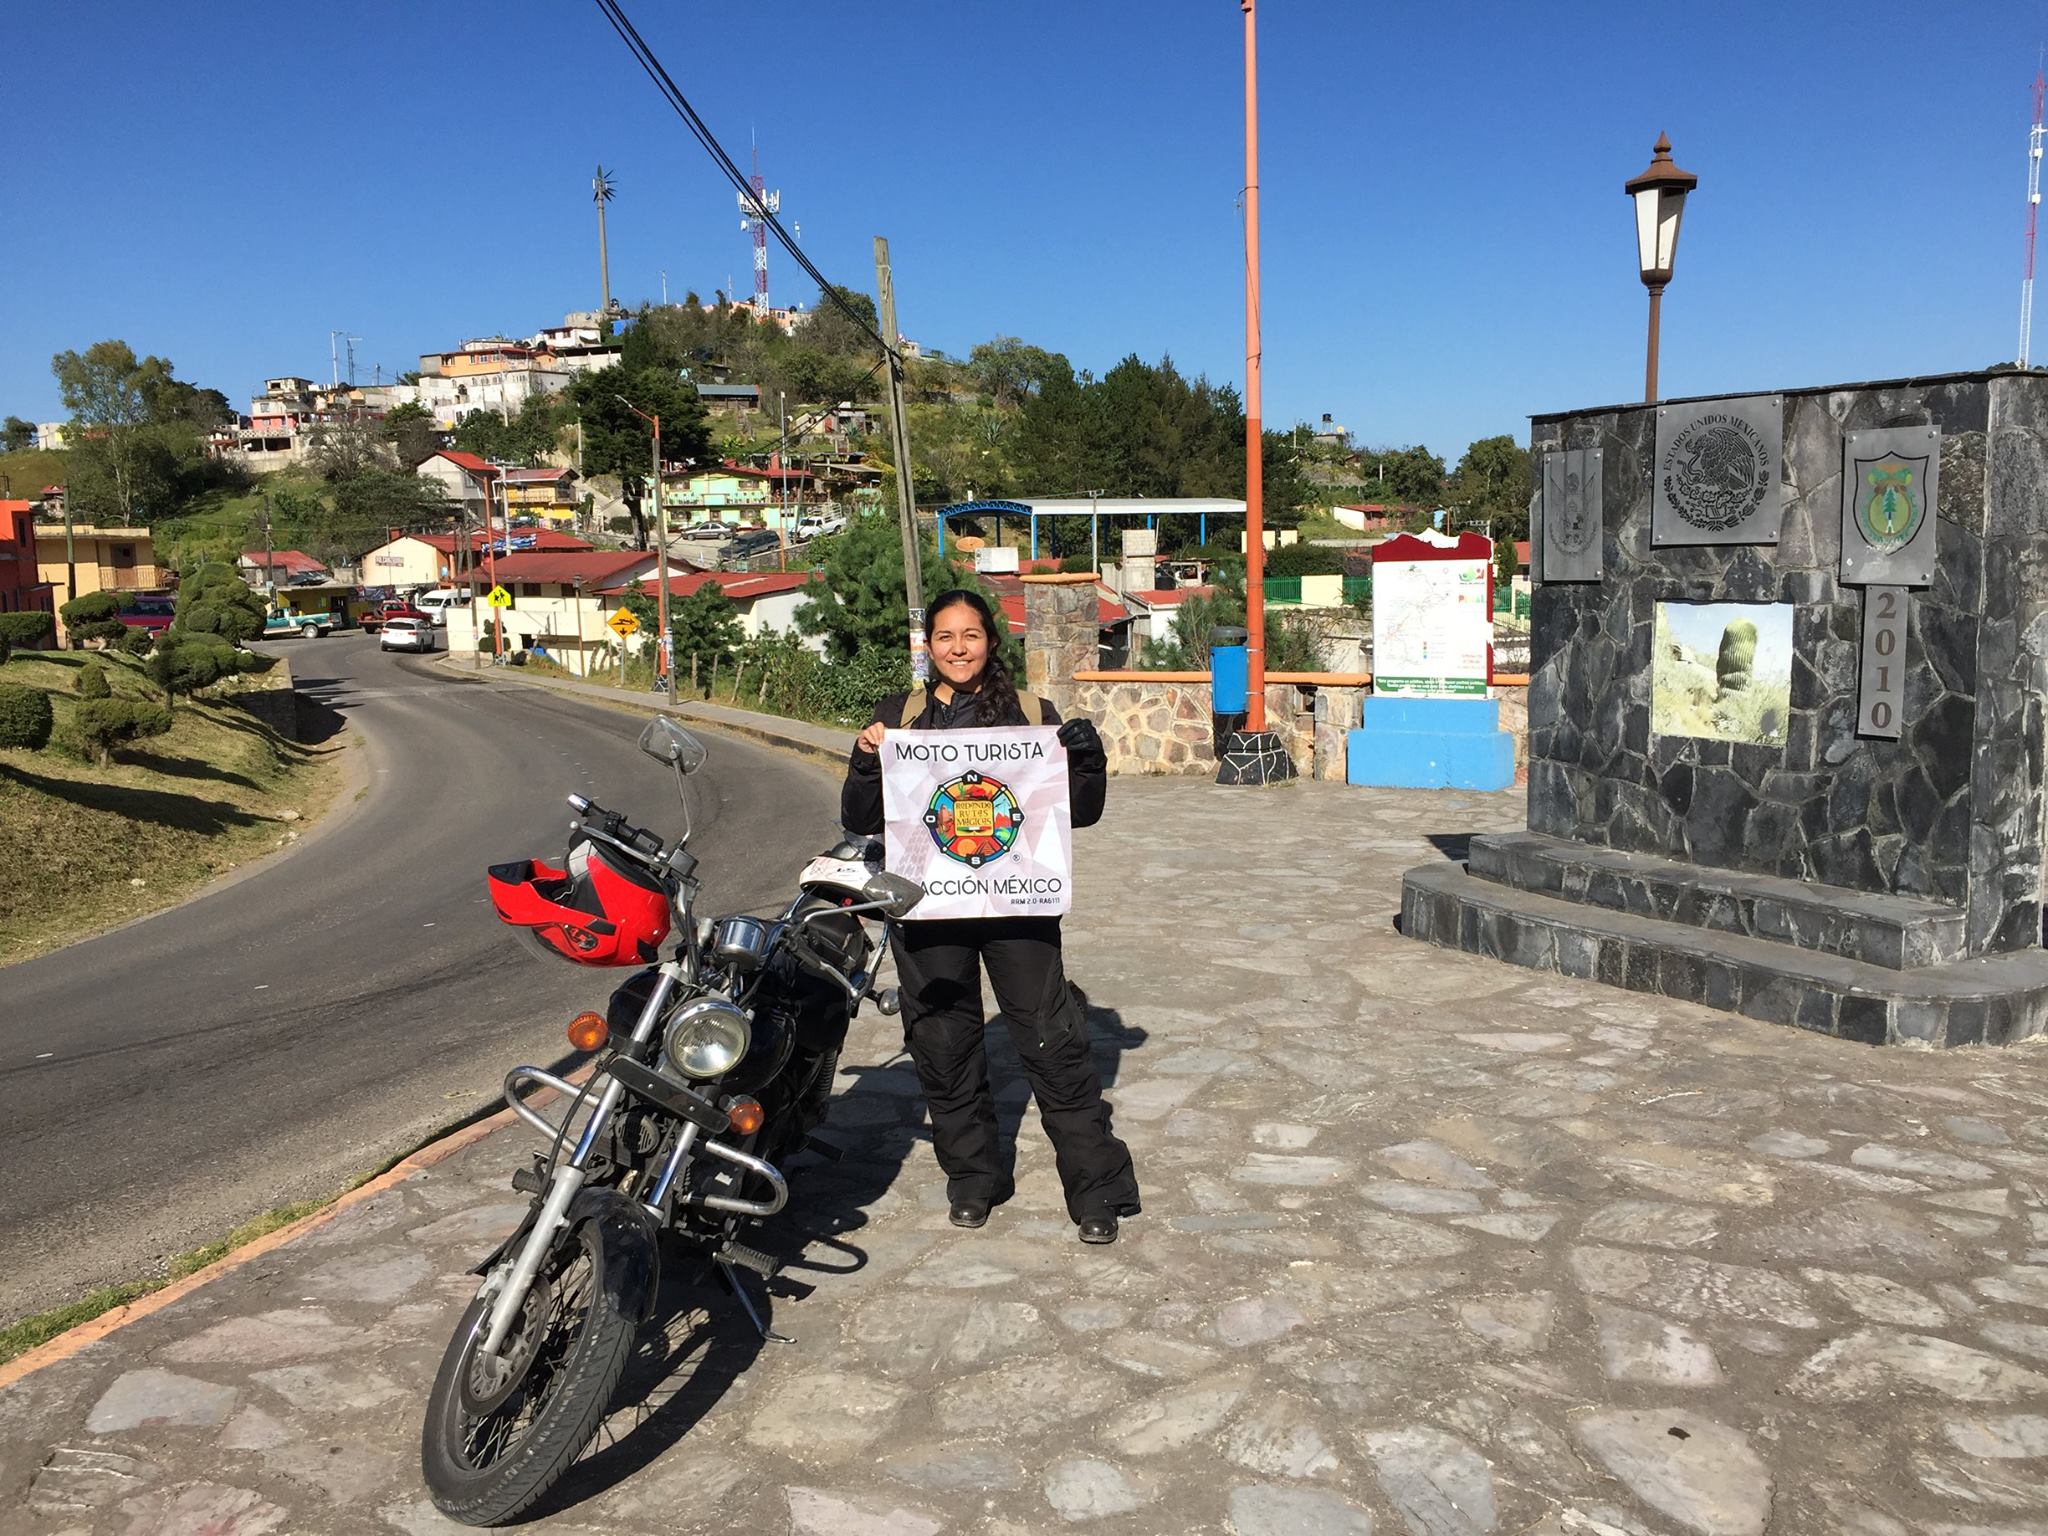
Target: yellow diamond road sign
[
  {"x": 498, "y": 597},
  {"x": 623, "y": 623}
]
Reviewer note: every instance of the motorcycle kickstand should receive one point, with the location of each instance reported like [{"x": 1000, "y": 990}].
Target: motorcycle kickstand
[{"x": 732, "y": 1283}]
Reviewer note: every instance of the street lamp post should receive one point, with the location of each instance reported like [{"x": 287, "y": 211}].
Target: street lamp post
[
  {"x": 1659, "y": 195},
  {"x": 662, "y": 641}
]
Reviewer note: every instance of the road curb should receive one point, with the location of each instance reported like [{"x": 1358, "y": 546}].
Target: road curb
[{"x": 438, "y": 1150}]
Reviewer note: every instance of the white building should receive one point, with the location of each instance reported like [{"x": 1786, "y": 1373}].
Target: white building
[{"x": 489, "y": 375}]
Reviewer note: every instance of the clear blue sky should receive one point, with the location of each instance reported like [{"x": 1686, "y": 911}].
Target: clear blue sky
[{"x": 1447, "y": 246}]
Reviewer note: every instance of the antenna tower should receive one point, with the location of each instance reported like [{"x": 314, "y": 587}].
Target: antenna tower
[
  {"x": 2034, "y": 137},
  {"x": 601, "y": 189},
  {"x": 754, "y": 210}
]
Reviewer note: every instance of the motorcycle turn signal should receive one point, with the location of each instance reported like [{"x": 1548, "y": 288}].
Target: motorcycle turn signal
[
  {"x": 746, "y": 1115},
  {"x": 589, "y": 1031}
]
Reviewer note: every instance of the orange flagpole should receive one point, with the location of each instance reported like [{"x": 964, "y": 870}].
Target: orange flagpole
[{"x": 1254, "y": 434}]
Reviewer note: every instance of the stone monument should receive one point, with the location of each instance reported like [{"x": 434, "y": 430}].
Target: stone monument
[{"x": 1786, "y": 713}]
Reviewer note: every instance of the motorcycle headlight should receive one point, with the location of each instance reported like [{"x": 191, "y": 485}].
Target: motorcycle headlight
[{"x": 707, "y": 1038}]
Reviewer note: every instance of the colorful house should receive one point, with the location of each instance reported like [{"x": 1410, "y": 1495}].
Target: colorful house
[
  {"x": 99, "y": 560},
  {"x": 22, "y": 588}
]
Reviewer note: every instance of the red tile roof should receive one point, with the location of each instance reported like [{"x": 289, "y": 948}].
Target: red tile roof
[
  {"x": 535, "y": 476},
  {"x": 599, "y": 568},
  {"x": 545, "y": 541},
  {"x": 740, "y": 586},
  {"x": 468, "y": 461},
  {"x": 1106, "y": 612},
  {"x": 1168, "y": 597},
  {"x": 284, "y": 560}
]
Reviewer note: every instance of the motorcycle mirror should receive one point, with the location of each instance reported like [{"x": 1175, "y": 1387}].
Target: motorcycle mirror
[
  {"x": 667, "y": 742},
  {"x": 897, "y": 893}
]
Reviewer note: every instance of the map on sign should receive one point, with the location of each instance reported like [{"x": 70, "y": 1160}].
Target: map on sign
[
  {"x": 498, "y": 597},
  {"x": 623, "y": 624},
  {"x": 1432, "y": 616}
]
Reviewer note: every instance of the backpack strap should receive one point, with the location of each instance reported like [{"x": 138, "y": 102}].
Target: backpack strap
[
  {"x": 1033, "y": 707},
  {"x": 913, "y": 706}
]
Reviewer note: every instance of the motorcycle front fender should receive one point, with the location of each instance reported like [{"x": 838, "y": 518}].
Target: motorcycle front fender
[{"x": 632, "y": 1270}]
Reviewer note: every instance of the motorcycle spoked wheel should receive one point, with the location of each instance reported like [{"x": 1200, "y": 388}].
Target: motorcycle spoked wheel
[{"x": 496, "y": 1439}]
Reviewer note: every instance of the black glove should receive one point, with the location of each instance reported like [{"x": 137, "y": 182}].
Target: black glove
[{"x": 1084, "y": 746}]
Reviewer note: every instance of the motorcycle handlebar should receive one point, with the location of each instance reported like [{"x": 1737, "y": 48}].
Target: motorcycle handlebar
[{"x": 614, "y": 825}]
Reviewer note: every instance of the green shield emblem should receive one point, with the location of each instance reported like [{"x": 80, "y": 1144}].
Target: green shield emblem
[{"x": 1891, "y": 500}]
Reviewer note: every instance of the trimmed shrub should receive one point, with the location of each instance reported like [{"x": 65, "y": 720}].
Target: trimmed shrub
[
  {"x": 108, "y": 631},
  {"x": 5, "y": 648},
  {"x": 213, "y": 600},
  {"x": 92, "y": 682},
  {"x": 24, "y": 717},
  {"x": 135, "y": 642},
  {"x": 92, "y": 608},
  {"x": 26, "y": 629},
  {"x": 101, "y": 725}
]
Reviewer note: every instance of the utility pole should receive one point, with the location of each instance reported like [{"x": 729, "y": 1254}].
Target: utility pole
[
  {"x": 601, "y": 193},
  {"x": 899, "y": 433},
  {"x": 782, "y": 484},
  {"x": 664, "y": 641},
  {"x": 491, "y": 560},
  {"x": 269, "y": 570}
]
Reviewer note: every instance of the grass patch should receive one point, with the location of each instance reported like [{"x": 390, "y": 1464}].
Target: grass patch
[
  {"x": 173, "y": 812},
  {"x": 33, "y": 468},
  {"x": 34, "y": 1332}
]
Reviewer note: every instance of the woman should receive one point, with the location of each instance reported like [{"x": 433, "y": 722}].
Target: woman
[{"x": 938, "y": 964}]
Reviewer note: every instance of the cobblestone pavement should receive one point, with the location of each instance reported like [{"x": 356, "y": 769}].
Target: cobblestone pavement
[{"x": 1429, "y": 1245}]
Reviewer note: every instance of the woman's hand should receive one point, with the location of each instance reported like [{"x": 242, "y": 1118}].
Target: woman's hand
[{"x": 870, "y": 740}]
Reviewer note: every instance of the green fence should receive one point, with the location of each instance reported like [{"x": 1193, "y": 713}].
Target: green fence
[
  {"x": 1284, "y": 590},
  {"x": 1357, "y": 589}
]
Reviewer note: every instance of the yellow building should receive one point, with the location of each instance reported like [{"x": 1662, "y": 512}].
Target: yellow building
[
  {"x": 544, "y": 493},
  {"x": 104, "y": 560}
]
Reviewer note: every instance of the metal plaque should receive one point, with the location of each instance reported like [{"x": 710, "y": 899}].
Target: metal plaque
[
  {"x": 1881, "y": 690},
  {"x": 1718, "y": 472},
  {"x": 1572, "y": 524},
  {"x": 1890, "y": 477}
]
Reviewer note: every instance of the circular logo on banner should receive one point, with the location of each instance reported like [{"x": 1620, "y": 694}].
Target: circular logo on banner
[
  {"x": 1889, "y": 504},
  {"x": 1716, "y": 472},
  {"x": 1578, "y": 523},
  {"x": 974, "y": 818}
]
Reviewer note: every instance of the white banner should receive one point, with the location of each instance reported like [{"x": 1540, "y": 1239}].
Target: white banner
[{"x": 980, "y": 819}]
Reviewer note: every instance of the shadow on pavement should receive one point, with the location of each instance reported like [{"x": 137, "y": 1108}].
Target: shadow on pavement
[{"x": 1455, "y": 846}]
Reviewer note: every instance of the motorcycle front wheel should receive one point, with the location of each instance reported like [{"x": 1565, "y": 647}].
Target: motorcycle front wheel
[{"x": 500, "y": 1433}]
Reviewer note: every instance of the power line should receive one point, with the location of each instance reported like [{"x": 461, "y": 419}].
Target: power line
[{"x": 645, "y": 57}]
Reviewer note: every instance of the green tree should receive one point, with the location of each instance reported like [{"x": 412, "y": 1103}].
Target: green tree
[
  {"x": 214, "y": 601},
  {"x": 1414, "y": 476},
  {"x": 1009, "y": 370},
  {"x": 346, "y": 447},
  {"x": 617, "y": 442},
  {"x": 103, "y": 724},
  {"x": 139, "y": 446},
  {"x": 1293, "y": 643},
  {"x": 706, "y": 627},
  {"x": 857, "y": 604},
  {"x": 1491, "y": 486},
  {"x": 186, "y": 661},
  {"x": 409, "y": 429},
  {"x": 16, "y": 435},
  {"x": 25, "y": 717}
]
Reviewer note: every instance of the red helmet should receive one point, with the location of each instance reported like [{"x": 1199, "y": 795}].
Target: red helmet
[{"x": 601, "y": 910}]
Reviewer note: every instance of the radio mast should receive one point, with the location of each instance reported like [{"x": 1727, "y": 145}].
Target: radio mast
[
  {"x": 2034, "y": 137},
  {"x": 754, "y": 210}
]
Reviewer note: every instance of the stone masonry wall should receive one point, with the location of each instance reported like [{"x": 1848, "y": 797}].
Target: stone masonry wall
[
  {"x": 1951, "y": 811},
  {"x": 1167, "y": 728}
]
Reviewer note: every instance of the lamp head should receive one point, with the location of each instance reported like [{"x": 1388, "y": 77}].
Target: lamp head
[{"x": 1659, "y": 194}]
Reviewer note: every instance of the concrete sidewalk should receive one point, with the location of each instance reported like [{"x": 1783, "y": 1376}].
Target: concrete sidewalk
[
  {"x": 824, "y": 742},
  {"x": 1430, "y": 1244}
]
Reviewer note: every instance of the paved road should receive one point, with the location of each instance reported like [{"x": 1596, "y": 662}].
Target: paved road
[{"x": 268, "y": 1042}]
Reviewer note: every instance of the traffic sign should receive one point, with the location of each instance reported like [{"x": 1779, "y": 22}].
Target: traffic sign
[
  {"x": 498, "y": 597},
  {"x": 623, "y": 623}
]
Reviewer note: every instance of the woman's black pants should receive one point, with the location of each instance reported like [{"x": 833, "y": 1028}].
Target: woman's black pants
[{"x": 938, "y": 967}]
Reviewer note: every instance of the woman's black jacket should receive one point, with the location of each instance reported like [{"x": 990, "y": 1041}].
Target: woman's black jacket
[{"x": 860, "y": 798}]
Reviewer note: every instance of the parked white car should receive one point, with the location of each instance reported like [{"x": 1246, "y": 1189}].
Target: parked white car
[
  {"x": 814, "y": 526},
  {"x": 406, "y": 635},
  {"x": 436, "y": 601}
]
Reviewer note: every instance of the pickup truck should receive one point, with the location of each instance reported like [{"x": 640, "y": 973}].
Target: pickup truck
[
  {"x": 392, "y": 608},
  {"x": 281, "y": 622},
  {"x": 814, "y": 527}
]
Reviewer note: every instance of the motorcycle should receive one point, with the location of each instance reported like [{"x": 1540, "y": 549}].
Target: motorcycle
[{"x": 714, "y": 1066}]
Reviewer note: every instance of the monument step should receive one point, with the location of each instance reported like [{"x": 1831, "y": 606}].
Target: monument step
[
  {"x": 1897, "y": 932},
  {"x": 1991, "y": 1000}
]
